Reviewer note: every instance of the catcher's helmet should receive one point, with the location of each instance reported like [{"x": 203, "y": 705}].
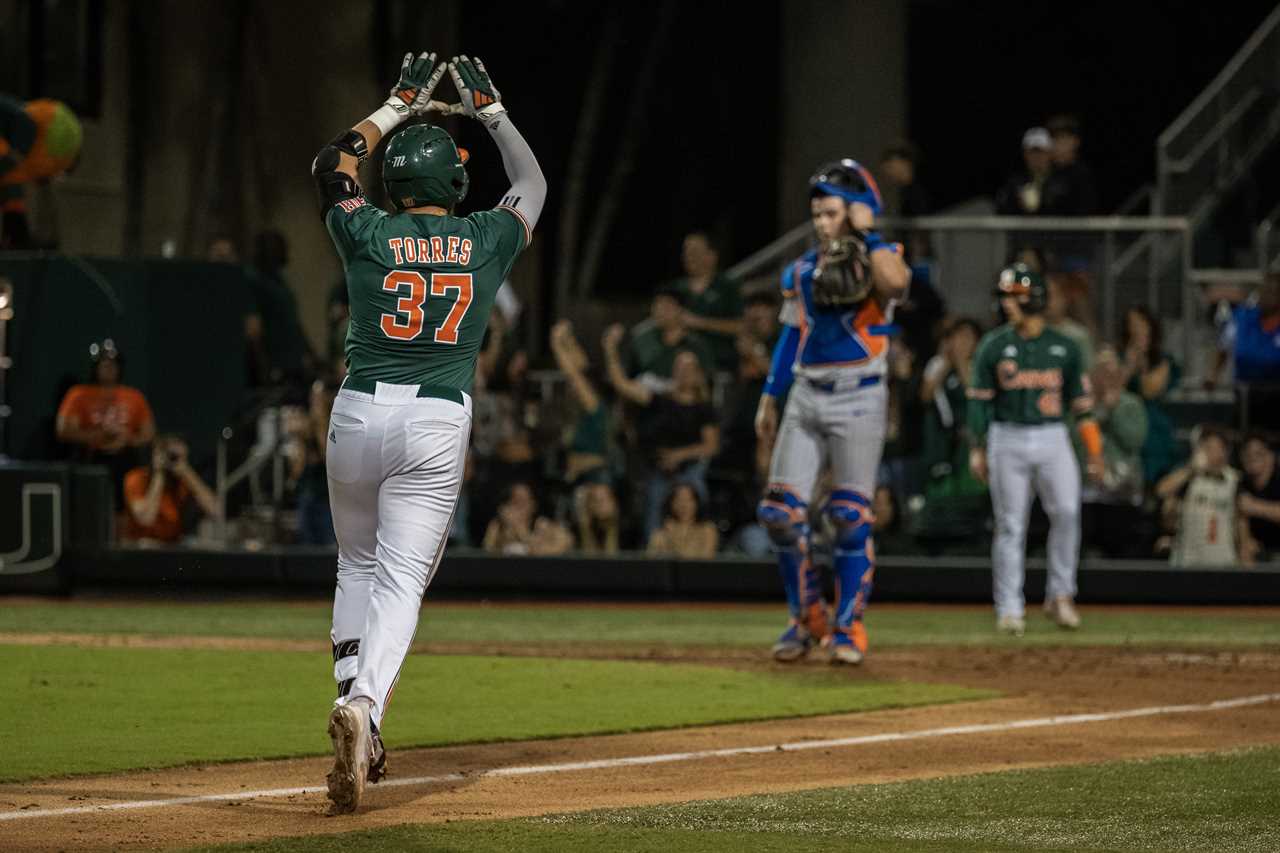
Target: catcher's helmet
[
  {"x": 422, "y": 165},
  {"x": 849, "y": 180},
  {"x": 1025, "y": 285}
]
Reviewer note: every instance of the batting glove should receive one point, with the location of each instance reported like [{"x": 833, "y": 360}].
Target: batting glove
[
  {"x": 480, "y": 98},
  {"x": 411, "y": 95}
]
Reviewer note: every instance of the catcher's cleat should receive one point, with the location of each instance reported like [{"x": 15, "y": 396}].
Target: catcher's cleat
[
  {"x": 847, "y": 645},
  {"x": 349, "y": 729},
  {"x": 1062, "y": 610},
  {"x": 794, "y": 643},
  {"x": 1013, "y": 625}
]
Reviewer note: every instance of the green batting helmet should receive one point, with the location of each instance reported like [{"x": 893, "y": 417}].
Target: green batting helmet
[
  {"x": 1025, "y": 285},
  {"x": 422, "y": 165}
]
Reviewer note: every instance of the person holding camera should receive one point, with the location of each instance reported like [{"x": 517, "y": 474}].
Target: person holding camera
[{"x": 157, "y": 496}]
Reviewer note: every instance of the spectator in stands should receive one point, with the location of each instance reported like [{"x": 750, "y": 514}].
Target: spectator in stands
[
  {"x": 1075, "y": 192},
  {"x": 588, "y": 451},
  {"x": 684, "y": 532},
  {"x": 1204, "y": 495},
  {"x": 921, "y": 315},
  {"x": 742, "y": 455},
  {"x": 518, "y": 529},
  {"x": 1260, "y": 502},
  {"x": 655, "y": 342},
  {"x": 157, "y": 497},
  {"x": 899, "y": 466},
  {"x": 955, "y": 505},
  {"x": 681, "y": 430},
  {"x": 741, "y": 451},
  {"x": 1070, "y": 191},
  {"x": 1150, "y": 373},
  {"x": 1251, "y": 338},
  {"x": 306, "y": 442},
  {"x": 1112, "y": 509},
  {"x": 595, "y": 516},
  {"x": 943, "y": 386},
  {"x": 907, "y": 197},
  {"x": 898, "y": 167},
  {"x": 712, "y": 300},
  {"x": 106, "y": 421},
  {"x": 1024, "y": 193},
  {"x": 279, "y": 351},
  {"x": 222, "y": 250},
  {"x": 1057, "y": 318}
]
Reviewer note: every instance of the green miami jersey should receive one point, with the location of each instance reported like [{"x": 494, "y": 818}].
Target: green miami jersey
[
  {"x": 1028, "y": 381},
  {"x": 421, "y": 289}
]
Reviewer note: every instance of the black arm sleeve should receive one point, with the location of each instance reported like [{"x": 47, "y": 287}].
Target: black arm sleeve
[{"x": 334, "y": 185}]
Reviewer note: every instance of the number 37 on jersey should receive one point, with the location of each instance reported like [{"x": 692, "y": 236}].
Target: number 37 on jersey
[{"x": 407, "y": 322}]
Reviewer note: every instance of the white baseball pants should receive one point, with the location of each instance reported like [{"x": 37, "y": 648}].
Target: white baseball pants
[
  {"x": 1020, "y": 459},
  {"x": 395, "y": 465}
]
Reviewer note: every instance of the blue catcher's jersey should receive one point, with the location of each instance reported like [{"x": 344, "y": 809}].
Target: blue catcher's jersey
[{"x": 851, "y": 341}]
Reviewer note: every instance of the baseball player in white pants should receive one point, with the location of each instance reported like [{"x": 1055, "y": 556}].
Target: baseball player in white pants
[
  {"x": 1024, "y": 377},
  {"x": 422, "y": 282},
  {"x": 832, "y": 355}
]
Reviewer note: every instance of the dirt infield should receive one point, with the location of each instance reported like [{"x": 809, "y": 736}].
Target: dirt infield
[{"x": 455, "y": 783}]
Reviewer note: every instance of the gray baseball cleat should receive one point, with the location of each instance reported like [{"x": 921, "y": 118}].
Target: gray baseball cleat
[
  {"x": 350, "y": 730},
  {"x": 1062, "y": 610},
  {"x": 1013, "y": 625}
]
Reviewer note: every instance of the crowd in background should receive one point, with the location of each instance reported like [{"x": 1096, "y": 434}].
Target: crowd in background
[{"x": 646, "y": 441}]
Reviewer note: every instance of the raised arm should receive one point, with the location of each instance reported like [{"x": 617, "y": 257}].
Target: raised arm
[
  {"x": 572, "y": 361},
  {"x": 336, "y": 167},
  {"x": 482, "y": 101},
  {"x": 634, "y": 391}
]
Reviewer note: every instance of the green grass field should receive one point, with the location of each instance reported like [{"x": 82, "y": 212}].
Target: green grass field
[
  {"x": 100, "y": 710},
  {"x": 1211, "y": 803},
  {"x": 671, "y": 625}
]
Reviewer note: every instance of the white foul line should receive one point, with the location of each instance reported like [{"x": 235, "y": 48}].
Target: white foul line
[{"x": 665, "y": 758}]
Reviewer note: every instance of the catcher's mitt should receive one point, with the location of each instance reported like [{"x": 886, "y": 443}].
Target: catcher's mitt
[{"x": 843, "y": 277}]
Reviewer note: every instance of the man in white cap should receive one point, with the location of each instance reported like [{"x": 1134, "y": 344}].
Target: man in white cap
[{"x": 1024, "y": 193}]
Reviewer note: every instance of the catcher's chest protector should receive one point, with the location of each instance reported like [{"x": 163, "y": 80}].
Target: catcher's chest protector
[{"x": 837, "y": 336}]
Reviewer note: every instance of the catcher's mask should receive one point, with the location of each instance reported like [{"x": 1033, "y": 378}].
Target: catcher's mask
[{"x": 849, "y": 180}]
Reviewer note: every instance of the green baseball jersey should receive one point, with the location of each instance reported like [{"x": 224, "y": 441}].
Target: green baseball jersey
[
  {"x": 421, "y": 288},
  {"x": 1025, "y": 380}
]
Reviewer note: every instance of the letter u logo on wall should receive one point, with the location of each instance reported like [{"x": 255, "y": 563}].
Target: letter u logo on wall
[{"x": 40, "y": 528}]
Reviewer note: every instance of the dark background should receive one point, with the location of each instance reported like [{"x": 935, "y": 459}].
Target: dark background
[
  {"x": 708, "y": 154},
  {"x": 978, "y": 76}
]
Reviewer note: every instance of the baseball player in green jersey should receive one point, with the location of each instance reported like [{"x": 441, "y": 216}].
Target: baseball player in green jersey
[
  {"x": 1026, "y": 377},
  {"x": 421, "y": 281}
]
